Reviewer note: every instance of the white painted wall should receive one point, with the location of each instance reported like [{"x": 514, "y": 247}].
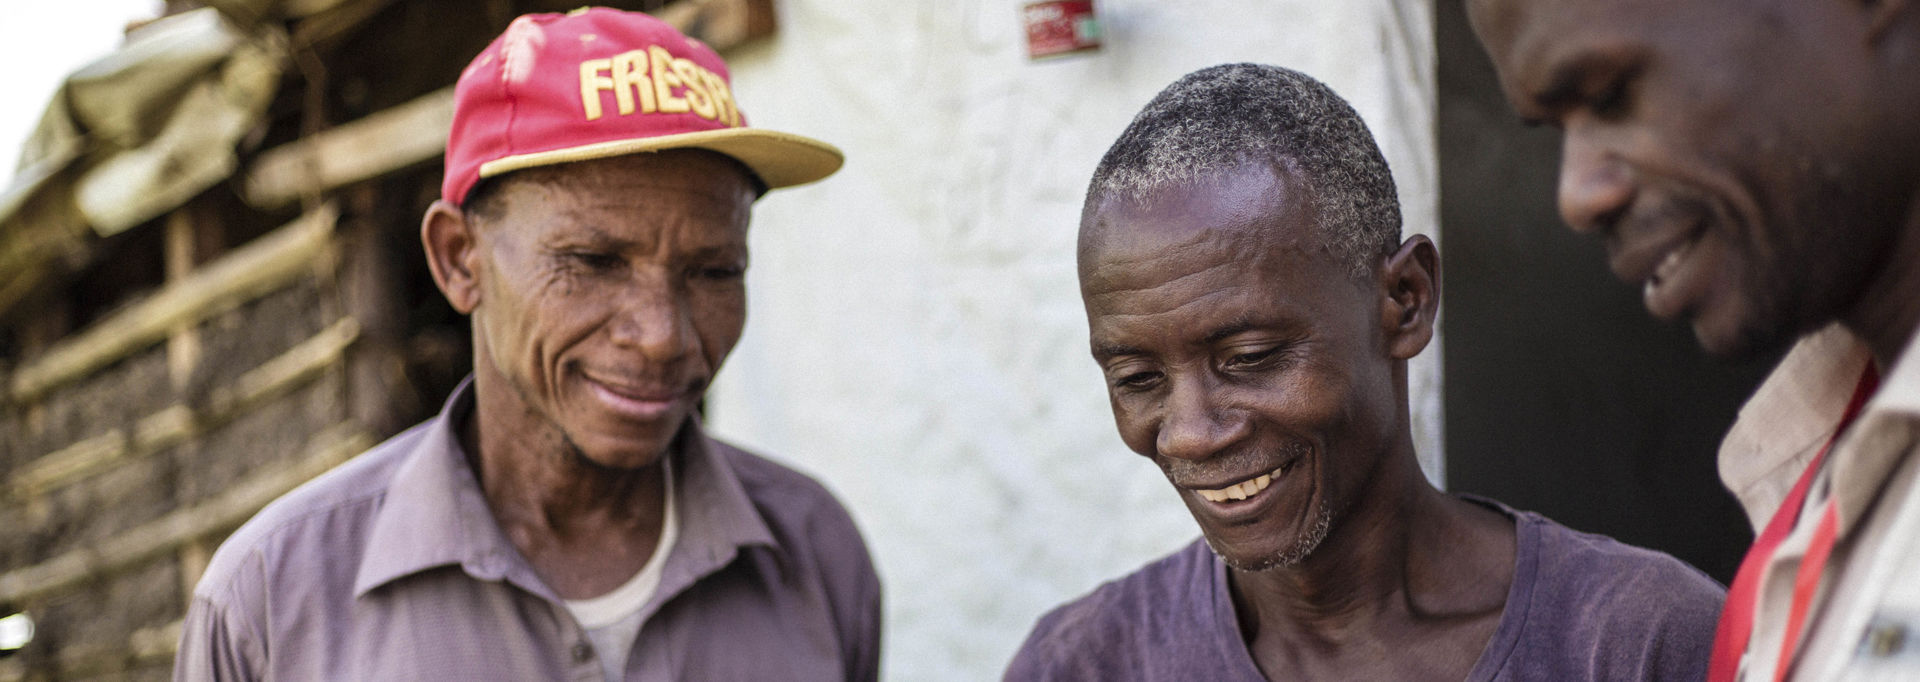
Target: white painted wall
[{"x": 915, "y": 336}]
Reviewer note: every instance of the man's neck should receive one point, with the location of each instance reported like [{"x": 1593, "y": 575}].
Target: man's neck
[
  {"x": 559, "y": 491},
  {"x": 1407, "y": 567},
  {"x": 1888, "y": 311},
  {"x": 584, "y": 528}
]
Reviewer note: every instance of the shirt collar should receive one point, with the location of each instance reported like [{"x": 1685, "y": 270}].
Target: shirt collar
[
  {"x": 718, "y": 520},
  {"x": 1793, "y": 414},
  {"x": 435, "y": 515},
  {"x": 1879, "y": 440}
]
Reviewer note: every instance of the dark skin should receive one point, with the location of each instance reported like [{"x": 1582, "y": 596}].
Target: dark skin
[
  {"x": 1753, "y": 165},
  {"x": 603, "y": 296},
  {"x": 1236, "y": 347}
]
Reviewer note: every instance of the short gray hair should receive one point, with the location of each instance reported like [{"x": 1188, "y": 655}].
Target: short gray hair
[{"x": 1221, "y": 117}]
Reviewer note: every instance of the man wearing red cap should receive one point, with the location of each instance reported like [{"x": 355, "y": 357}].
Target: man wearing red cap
[{"x": 564, "y": 516}]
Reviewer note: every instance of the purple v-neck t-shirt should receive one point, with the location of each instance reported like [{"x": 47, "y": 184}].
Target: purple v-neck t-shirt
[{"x": 1581, "y": 607}]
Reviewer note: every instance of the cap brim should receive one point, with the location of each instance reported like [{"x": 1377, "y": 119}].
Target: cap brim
[{"x": 780, "y": 159}]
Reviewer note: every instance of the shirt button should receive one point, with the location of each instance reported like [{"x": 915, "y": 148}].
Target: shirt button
[
  {"x": 582, "y": 652},
  {"x": 1886, "y": 640}
]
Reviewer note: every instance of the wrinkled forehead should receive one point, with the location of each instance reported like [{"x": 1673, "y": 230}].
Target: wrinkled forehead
[
  {"x": 1240, "y": 215},
  {"x": 636, "y": 179},
  {"x": 693, "y": 171},
  {"x": 1536, "y": 46},
  {"x": 1515, "y": 31}
]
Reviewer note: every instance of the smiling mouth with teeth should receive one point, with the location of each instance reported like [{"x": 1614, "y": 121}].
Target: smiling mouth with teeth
[{"x": 1244, "y": 489}]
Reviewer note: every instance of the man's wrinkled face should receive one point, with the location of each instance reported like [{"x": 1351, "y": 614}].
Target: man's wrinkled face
[
  {"x": 609, "y": 293},
  {"x": 1241, "y": 357},
  {"x": 1717, "y": 147}
]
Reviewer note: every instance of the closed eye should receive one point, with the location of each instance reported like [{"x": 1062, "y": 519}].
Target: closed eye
[
  {"x": 720, "y": 272},
  {"x": 1137, "y": 381},
  {"x": 1610, "y": 102},
  {"x": 1253, "y": 359},
  {"x": 594, "y": 260},
  {"x": 1598, "y": 81}
]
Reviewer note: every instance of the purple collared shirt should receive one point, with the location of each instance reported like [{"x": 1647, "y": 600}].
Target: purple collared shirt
[{"x": 391, "y": 567}]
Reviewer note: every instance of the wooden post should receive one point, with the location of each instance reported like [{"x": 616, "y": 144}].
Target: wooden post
[
  {"x": 183, "y": 343},
  {"x": 193, "y": 562},
  {"x": 378, "y": 392}
]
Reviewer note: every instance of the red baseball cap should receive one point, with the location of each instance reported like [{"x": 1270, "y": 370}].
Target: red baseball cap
[{"x": 599, "y": 82}]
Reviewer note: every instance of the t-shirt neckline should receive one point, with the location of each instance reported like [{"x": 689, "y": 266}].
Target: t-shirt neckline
[{"x": 1500, "y": 647}]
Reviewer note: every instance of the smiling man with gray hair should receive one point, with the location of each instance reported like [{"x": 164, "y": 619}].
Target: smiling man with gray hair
[{"x": 1253, "y": 308}]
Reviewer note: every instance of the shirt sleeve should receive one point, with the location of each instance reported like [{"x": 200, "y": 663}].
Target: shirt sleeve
[
  {"x": 215, "y": 646},
  {"x": 1646, "y": 620},
  {"x": 863, "y": 656},
  {"x": 1053, "y": 653},
  {"x": 1681, "y": 640},
  {"x": 854, "y": 590}
]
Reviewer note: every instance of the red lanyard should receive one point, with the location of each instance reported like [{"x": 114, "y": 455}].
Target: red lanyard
[{"x": 1736, "y": 620}]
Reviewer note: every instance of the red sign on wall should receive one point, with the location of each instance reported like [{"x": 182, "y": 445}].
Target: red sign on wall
[{"x": 1056, "y": 27}]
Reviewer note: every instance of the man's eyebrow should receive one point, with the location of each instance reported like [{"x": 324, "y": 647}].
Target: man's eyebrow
[
  {"x": 1565, "y": 79},
  {"x": 1563, "y": 84},
  {"x": 1109, "y": 350},
  {"x": 1238, "y": 325},
  {"x": 593, "y": 235},
  {"x": 717, "y": 251}
]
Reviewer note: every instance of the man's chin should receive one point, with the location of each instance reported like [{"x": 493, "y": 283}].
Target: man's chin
[
  {"x": 623, "y": 454},
  {"x": 1740, "y": 341},
  {"x": 1286, "y": 555}
]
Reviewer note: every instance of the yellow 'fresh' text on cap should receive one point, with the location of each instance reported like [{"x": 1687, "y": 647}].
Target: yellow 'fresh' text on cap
[{"x": 646, "y": 81}]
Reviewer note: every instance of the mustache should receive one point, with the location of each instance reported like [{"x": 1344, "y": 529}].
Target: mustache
[
  {"x": 1652, "y": 216},
  {"x": 622, "y": 376},
  {"x": 1239, "y": 463}
]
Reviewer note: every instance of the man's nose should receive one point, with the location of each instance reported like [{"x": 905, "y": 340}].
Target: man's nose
[
  {"x": 1596, "y": 185},
  {"x": 654, "y": 318},
  {"x": 1196, "y": 425}
]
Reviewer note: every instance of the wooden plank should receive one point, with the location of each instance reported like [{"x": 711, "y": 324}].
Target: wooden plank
[
  {"x": 21, "y": 284},
  {"x": 297, "y": 365},
  {"x": 170, "y": 425},
  {"x": 168, "y": 533},
  {"x": 68, "y": 463},
  {"x": 146, "y": 647},
  {"x": 155, "y": 644},
  {"x": 294, "y": 367},
  {"x": 375, "y": 145},
  {"x": 253, "y": 270}
]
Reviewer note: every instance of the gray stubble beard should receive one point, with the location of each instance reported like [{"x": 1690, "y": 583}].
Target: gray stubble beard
[{"x": 1302, "y": 547}]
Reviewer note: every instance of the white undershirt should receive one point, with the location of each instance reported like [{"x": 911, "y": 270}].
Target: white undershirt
[{"x": 612, "y": 620}]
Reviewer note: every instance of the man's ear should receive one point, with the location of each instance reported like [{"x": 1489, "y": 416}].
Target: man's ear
[
  {"x": 453, "y": 254},
  {"x": 1409, "y": 282}
]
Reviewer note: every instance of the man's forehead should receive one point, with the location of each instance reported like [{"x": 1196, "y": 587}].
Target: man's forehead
[
  {"x": 1241, "y": 207},
  {"x": 687, "y": 171},
  {"x": 1201, "y": 233},
  {"x": 1517, "y": 32},
  {"x": 1543, "y": 49}
]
